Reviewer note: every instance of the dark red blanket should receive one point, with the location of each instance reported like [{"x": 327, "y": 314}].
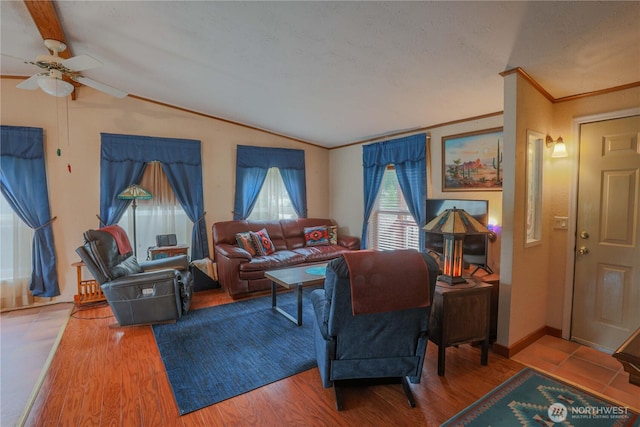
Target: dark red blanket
[
  {"x": 387, "y": 280},
  {"x": 120, "y": 236}
]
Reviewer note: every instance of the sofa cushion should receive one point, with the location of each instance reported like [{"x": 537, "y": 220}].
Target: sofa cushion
[
  {"x": 316, "y": 236},
  {"x": 321, "y": 253},
  {"x": 246, "y": 242},
  {"x": 275, "y": 260},
  {"x": 262, "y": 242}
]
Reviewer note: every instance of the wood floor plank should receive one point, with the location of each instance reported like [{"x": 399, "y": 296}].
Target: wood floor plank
[
  {"x": 112, "y": 395},
  {"x": 131, "y": 410}
]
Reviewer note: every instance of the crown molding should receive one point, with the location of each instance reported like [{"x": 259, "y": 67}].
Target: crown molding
[{"x": 553, "y": 100}]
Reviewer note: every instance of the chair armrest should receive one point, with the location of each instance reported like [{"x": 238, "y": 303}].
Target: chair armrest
[
  {"x": 180, "y": 262},
  {"x": 142, "y": 278},
  {"x": 231, "y": 251},
  {"x": 349, "y": 242}
]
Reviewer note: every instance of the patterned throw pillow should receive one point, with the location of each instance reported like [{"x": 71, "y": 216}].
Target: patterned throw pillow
[
  {"x": 246, "y": 242},
  {"x": 262, "y": 242},
  {"x": 333, "y": 234},
  {"x": 316, "y": 236}
]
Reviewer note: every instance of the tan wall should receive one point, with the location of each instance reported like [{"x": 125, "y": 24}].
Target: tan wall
[
  {"x": 74, "y": 197},
  {"x": 524, "y": 270}
]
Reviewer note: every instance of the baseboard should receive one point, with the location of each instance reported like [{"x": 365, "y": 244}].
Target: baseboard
[{"x": 518, "y": 346}]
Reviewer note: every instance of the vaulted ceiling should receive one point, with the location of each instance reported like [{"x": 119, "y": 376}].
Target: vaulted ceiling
[{"x": 332, "y": 73}]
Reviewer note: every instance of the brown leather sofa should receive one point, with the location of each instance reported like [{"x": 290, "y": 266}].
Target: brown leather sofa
[{"x": 241, "y": 274}]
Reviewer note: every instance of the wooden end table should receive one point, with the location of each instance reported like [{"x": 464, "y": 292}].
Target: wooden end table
[
  {"x": 629, "y": 355},
  {"x": 295, "y": 277},
  {"x": 460, "y": 314},
  {"x": 158, "y": 252},
  {"x": 88, "y": 288}
]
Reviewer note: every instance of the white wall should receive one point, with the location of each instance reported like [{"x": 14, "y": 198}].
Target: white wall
[{"x": 74, "y": 196}]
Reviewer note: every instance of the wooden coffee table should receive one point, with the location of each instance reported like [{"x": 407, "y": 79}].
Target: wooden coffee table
[{"x": 295, "y": 277}]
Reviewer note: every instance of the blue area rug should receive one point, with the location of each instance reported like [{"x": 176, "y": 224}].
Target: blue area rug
[
  {"x": 531, "y": 398},
  {"x": 219, "y": 352}
]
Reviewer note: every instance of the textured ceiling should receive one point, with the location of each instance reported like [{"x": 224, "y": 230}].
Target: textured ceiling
[{"x": 333, "y": 73}]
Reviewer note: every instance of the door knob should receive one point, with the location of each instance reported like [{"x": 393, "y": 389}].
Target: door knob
[
  {"x": 584, "y": 235},
  {"x": 583, "y": 250}
]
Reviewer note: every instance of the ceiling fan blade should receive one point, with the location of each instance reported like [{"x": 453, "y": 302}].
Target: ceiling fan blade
[
  {"x": 15, "y": 57},
  {"x": 81, "y": 63},
  {"x": 101, "y": 87},
  {"x": 31, "y": 83}
]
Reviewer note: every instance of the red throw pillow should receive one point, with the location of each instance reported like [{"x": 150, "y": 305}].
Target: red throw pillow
[
  {"x": 262, "y": 242},
  {"x": 316, "y": 236}
]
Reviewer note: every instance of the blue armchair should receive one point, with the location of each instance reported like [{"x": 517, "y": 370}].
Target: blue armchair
[{"x": 380, "y": 333}]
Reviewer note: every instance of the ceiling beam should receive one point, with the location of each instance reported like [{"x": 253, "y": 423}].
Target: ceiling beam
[{"x": 44, "y": 15}]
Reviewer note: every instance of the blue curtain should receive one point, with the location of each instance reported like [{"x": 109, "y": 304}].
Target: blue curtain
[
  {"x": 409, "y": 157},
  {"x": 23, "y": 182},
  {"x": 252, "y": 164},
  {"x": 122, "y": 163}
]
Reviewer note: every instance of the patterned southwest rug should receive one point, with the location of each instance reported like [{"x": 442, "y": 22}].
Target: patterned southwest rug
[
  {"x": 531, "y": 398},
  {"x": 216, "y": 353}
]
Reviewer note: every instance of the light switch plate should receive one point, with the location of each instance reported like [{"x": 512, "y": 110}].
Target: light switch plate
[{"x": 560, "y": 222}]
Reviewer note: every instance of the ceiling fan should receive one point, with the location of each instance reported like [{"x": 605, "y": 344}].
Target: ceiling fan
[{"x": 51, "y": 81}]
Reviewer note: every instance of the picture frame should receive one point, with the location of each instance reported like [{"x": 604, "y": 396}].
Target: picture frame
[{"x": 472, "y": 161}]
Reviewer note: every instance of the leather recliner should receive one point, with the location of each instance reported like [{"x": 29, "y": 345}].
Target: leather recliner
[
  {"x": 382, "y": 345},
  {"x": 138, "y": 293}
]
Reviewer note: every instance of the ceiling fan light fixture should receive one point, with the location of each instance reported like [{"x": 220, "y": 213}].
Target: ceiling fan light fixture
[{"x": 54, "y": 86}]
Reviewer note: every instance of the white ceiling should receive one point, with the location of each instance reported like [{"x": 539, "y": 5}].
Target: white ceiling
[{"x": 332, "y": 73}]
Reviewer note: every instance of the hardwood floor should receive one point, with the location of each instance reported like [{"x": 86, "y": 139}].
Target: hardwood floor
[{"x": 103, "y": 376}]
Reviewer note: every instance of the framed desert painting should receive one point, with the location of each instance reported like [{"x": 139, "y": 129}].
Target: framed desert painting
[{"x": 472, "y": 161}]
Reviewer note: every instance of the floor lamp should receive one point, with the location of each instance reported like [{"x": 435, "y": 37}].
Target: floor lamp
[{"x": 134, "y": 192}]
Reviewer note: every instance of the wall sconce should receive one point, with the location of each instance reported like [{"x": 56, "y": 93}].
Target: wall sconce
[
  {"x": 494, "y": 229},
  {"x": 559, "y": 147}
]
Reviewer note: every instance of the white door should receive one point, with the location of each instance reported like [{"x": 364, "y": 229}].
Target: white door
[{"x": 606, "y": 296}]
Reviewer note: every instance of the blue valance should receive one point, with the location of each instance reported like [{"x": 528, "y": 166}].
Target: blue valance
[
  {"x": 407, "y": 149},
  {"x": 268, "y": 157},
  {"x": 120, "y": 148}
]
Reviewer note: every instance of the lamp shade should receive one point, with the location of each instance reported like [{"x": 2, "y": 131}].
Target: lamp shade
[
  {"x": 134, "y": 191},
  {"x": 54, "y": 86},
  {"x": 455, "y": 221},
  {"x": 559, "y": 149},
  {"x": 454, "y": 224}
]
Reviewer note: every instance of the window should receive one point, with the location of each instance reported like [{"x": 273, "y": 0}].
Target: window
[
  {"x": 273, "y": 201},
  {"x": 162, "y": 214},
  {"x": 15, "y": 262},
  {"x": 391, "y": 225}
]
